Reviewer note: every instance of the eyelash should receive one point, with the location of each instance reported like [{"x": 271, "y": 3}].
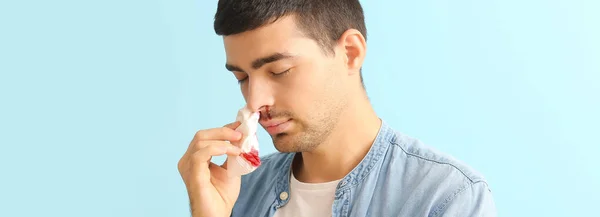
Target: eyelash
[
  {"x": 274, "y": 74},
  {"x": 242, "y": 81},
  {"x": 281, "y": 73}
]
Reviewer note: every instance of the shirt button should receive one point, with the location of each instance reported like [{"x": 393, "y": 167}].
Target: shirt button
[{"x": 283, "y": 196}]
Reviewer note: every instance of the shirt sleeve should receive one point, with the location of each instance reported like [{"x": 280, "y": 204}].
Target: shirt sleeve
[{"x": 474, "y": 200}]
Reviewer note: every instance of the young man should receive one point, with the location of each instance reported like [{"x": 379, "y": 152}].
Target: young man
[{"x": 299, "y": 63}]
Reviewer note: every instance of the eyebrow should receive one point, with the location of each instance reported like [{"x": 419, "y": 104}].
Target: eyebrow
[{"x": 256, "y": 64}]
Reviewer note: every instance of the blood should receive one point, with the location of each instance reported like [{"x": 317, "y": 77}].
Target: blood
[
  {"x": 252, "y": 157},
  {"x": 268, "y": 113}
]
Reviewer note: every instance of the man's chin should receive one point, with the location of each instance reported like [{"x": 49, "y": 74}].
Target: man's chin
[
  {"x": 280, "y": 138},
  {"x": 283, "y": 142}
]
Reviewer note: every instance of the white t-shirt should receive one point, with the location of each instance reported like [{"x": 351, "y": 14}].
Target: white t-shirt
[{"x": 308, "y": 199}]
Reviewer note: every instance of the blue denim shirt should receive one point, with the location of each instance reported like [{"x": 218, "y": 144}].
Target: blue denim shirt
[{"x": 399, "y": 176}]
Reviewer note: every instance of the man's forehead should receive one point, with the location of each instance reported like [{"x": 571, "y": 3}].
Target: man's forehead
[
  {"x": 250, "y": 51},
  {"x": 278, "y": 37}
]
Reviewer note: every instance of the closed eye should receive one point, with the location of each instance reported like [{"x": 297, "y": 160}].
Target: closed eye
[
  {"x": 282, "y": 73},
  {"x": 242, "y": 80}
]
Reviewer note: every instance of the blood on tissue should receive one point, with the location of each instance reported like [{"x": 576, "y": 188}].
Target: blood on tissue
[{"x": 252, "y": 157}]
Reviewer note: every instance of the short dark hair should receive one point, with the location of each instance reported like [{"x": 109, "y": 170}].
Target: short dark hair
[{"x": 322, "y": 20}]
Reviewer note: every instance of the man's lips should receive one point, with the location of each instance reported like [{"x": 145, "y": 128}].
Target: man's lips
[
  {"x": 275, "y": 126},
  {"x": 272, "y": 123}
]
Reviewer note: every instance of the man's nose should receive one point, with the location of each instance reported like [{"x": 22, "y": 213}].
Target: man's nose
[{"x": 260, "y": 94}]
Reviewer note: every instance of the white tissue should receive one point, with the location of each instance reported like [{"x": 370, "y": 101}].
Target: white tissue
[{"x": 249, "y": 124}]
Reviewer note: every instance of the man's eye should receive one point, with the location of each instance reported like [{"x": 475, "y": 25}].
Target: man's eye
[
  {"x": 282, "y": 73},
  {"x": 242, "y": 80}
]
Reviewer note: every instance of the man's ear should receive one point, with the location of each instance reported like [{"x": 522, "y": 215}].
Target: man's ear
[{"x": 354, "y": 47}]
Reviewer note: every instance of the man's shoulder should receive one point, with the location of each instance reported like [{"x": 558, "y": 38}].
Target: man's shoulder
[
  {"x": 415, "y": 152},
  {"x": 439, "y": 178}
]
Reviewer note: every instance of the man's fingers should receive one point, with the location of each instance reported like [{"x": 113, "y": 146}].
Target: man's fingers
[
  {"x": 221, "y": 133},
  {"x": 233, "y": 125},
  {"x": 215, "y": 148},
  {"x": 225, "y": 133}
]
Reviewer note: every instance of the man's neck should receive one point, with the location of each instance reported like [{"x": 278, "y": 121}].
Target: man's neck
[{"x": 346, "y": 146}]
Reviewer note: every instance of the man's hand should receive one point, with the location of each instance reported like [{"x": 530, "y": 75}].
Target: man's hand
[{"x": 211, "y": 191}]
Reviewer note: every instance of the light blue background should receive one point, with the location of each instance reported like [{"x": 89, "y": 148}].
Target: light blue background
[{"x": 99, "y": 99}]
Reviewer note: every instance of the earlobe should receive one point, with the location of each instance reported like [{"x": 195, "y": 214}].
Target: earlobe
[{"x": 355, "y": 48}]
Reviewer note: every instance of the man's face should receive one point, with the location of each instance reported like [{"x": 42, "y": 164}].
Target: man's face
[{"x": 297, "y": 87}]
